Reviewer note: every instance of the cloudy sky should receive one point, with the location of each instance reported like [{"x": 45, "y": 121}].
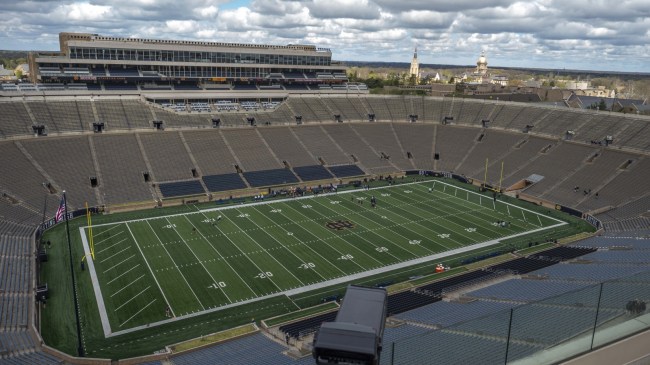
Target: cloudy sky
[{"x": 576, "y": 34}]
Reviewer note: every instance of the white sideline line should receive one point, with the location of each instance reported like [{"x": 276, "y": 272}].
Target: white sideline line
[
  {"x": 102, "y": 309},
  {"x": 124, "y": 273},
  {"x": 129, "y": 301},
  {"x": 151, "y": 271},
  {"x": 138, "y": 312},
  {"x": 103, "y": 316},
  {"x": 339, "y": 280},
  {"x": 127, "y": 285},
  {"x": 238, "y": 206}
]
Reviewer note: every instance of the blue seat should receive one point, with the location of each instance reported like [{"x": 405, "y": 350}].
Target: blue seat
[
  {"x": 346, "y": 170},
  {"x": 181, "y": 188}
]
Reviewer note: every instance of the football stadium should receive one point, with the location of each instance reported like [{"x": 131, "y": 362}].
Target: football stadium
[{"x": 188, "y": 202}]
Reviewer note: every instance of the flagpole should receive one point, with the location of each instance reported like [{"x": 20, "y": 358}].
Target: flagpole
[{"x": 80, "y": 349}]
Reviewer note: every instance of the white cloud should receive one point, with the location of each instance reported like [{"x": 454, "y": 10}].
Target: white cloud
[
  {"x": 84, "y": 11},
  {"x": 526, "y": 33},
  {"x": 207, "y": 12},
  {"x": 181, "y": 26}
]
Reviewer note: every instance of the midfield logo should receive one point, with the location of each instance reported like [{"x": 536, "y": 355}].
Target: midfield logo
[{"x": 340, "y": 225}]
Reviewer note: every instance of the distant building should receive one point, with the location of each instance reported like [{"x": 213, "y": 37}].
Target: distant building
[
  {"x": 577, "y": 85},
  {"x": 481, "y": 65},
  {"x": 415, "y": 66},
  {"x": 5, "y": 74},
  {"x": 120, "y": 63},
  {"x": 499, "y": 80}
]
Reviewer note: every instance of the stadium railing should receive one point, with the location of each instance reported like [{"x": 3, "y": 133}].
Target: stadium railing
[{"x": 543, "y": 332}]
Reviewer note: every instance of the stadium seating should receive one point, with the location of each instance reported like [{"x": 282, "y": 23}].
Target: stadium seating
[
  {"x": 253, "y": 154},
  {"x": 287, "y": 147},
  {"x": 181, "y": 188},
  {"x": 522, "y": 290},
  {"x": 407, "y": 300},
  {"x": 54, "y": 157},
  {"x": 522, "y": 265},
  {"x": 306, "y": 326},
  {"x": 346, "y": 171},
  {"x": 120, "y": 158},
  {"x": 313, "y": 172},
  {"x": 492, "y": 146},
  {"x": 224, "y": 182},
  {"x": 210, "y": 152},
  {"x": 301, "y": 108},
  {"x": 167, "y": 156},
  {"x": 270, "y": 177},
  {"x": 383, "y": 139},
  {"x": 451, "y": 144},
  {"x": 444, "y": 314},
  {"x": 351, "y": 142},
  {"x": 121, "y": 182},
  {"x": 321, "y": 145},
  {"x": 15, "y": 120}
]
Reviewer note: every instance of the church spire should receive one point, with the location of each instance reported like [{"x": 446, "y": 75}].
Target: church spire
[{"x": 415, "y": 66}]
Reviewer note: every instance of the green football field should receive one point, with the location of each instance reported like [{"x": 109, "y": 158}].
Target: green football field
[{"x": 152, "y": 271}]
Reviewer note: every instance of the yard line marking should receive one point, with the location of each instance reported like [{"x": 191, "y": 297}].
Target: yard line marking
[
  {"x": 389, "y": 228},
  {"x": 127, "y": 285},
  {"x": 149, "y": 267},
  {"x": 363, "y": 238},
  {"x": 540, "y": 221},
  {"x": 253, "y": 204},
  {"x": 197, "y": 258},
  {"x": 306, "y": 245},
  {"x": 340, "y": 280},
  {"x": 464, "y": 208},
  {"x": 514, "y": 206},
  {"x": 119, "y": 263},
  {"x": 111, "y": 246},
  {"x": 488, "y": 226},
  {"x": 334, "y": 237},
  {"x": 281, "y": 244},
  {"x": 450, "y": 221},
  {"x": 265, "y": 250},
  {"x": 115, "y": 254},
  {"x": 138, "y": 312},
  {"x": 102, "y": 232},
  {"x": 107, "y": 238},
  {"x": 222, "y": 257},
  {"x": 239, "y": 249},
  {"x": 124, "y": 273},
  {"x": 129, "y": 301},
  {"x": 176, "y": 265}
]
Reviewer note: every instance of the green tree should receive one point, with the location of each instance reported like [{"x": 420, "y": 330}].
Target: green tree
[{"x": 602, "y": 105}]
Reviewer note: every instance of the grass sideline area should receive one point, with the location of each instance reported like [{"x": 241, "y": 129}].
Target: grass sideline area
[
  {"x": 58, "y": 324},
  {"x": 213, "y": 338},
  {"x": 303, "y": 313}
]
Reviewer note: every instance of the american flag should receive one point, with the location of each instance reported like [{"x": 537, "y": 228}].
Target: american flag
[{"x": 61, "y": 211}]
